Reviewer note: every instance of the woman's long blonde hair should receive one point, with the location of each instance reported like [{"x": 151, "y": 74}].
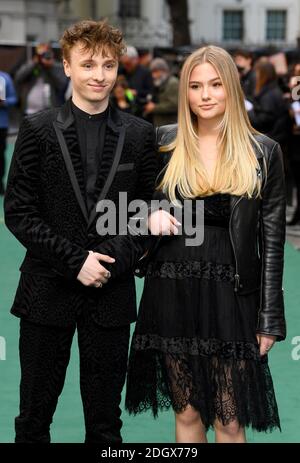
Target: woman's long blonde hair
[{"x": 236, "y": 166}]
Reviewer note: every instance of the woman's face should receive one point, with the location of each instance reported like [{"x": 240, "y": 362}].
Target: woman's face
[{"x": 206, "y": 94}]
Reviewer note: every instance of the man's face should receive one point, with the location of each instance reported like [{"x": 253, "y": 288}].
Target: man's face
[
  {"x": 244, "y": 64},
  {"x": 129, "y": 63},
  {"x": 158, "y": 76},
  {"x": 92, "y": 76}
]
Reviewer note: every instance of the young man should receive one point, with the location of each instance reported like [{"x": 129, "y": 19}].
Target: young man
[{"x": 65, "y": 161}]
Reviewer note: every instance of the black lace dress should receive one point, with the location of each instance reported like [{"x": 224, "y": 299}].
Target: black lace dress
[{"x": 195, "y": 338}]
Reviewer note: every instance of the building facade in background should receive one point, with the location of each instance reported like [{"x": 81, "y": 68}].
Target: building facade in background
[
  {"x": 145, "y": 23},
  {"x": 246, "y": 22},
  {"x": 24, "y": 21},
  {"x": 228, "y": 22}
]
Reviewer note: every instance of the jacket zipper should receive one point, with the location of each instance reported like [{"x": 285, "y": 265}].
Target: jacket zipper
[{"x": 236, "y": 276}]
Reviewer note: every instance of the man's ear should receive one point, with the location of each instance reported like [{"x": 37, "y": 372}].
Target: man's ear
[{"x": 67, "y": 68}]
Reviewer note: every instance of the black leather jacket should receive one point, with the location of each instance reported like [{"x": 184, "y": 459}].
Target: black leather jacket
[{"x": 257, "y": 232}]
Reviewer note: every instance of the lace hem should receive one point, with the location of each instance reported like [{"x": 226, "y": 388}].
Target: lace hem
[
  {"x": 227, "y": 389},
  {"x": 187, "y": 269},
  {"x": 197, "y": 346}
]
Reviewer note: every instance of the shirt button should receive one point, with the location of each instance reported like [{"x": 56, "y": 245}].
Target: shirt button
[{"x": 90, "y": 235}]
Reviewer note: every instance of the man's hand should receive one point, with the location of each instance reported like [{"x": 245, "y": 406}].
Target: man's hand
[
  {"x": 163, "y": 223},
  {"x": 149, "y": 107},
  {"x": 265, "y": 343},
  {"x": 92, "y": 272}
]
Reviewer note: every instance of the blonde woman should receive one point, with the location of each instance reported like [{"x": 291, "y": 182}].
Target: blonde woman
[{"x": 209, "y": 314}]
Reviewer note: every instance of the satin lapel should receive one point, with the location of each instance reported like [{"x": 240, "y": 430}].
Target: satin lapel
[
  {"x": 70, "y": 135},
  {"x": 112, "y": 151}
]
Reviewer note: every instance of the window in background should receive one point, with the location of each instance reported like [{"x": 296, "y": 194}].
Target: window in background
[
  {"x": 233, "y": 25},
  {"x": 276, "y": 25},
  {"x": 130, "y": 8}
]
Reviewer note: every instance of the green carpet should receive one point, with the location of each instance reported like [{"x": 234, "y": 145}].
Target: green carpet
[{"x": 68, "y": 420}]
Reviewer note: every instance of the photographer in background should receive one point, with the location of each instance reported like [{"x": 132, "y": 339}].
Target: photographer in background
[
  {"x": 139, "y": 80},
  {"x": 164, "y": 106},
  {"x": 244, "y": 62},
  {"x": 41, "y": 83}
]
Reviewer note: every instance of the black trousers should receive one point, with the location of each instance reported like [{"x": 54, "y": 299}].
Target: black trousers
[
  {"x": 44, "y": 357},
  {"x": 3, "y": 136}
]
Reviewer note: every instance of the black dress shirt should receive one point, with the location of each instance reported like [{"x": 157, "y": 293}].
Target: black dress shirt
[{"x": 91, "y": 136}]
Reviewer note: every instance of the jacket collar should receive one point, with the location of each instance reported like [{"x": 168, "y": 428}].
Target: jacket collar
[
  {"x": 65, "y": 117},
  {"x": 63, "y": 126},
  {"x": 167, "y": 133}
]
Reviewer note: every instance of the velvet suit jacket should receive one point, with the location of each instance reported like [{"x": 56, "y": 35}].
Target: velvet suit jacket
[{"x": 46, "y": 211}]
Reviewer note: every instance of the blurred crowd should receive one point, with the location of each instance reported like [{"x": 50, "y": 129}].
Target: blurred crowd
[{"x": 147, "y": 87}]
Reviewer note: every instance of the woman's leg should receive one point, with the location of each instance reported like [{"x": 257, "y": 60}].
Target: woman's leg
[
  {"x": 188, "y": 423},
  {"x": 189, "y": 426},
  {"x": 229, "y": 433}
]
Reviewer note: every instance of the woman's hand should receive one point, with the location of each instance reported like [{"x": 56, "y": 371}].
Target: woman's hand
[
  {"x": 265, "y": 342},
  {"x": 162, "y": 223}
]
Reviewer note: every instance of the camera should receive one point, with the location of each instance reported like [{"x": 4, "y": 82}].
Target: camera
[{"x": 47, "y": 55}]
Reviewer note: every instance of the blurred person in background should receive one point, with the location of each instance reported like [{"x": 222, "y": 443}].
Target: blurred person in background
[
  {"x": 163, "y": 106},
  {"x": 269, "y": 114},
  {"x": 145, "y": 57},
  {"x": 294, "y": 141},
  {"x": 41, "y": 83},
  {"x": 122, "y": 97},
  {"x": 8, "y": 98},
  {"x": 68, "y": 92},
  {"x": 138, "y": 77},
  {"x": 244, "y": 60}
]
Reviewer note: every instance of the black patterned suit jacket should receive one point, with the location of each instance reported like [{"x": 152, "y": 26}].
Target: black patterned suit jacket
[{"x": 45, "y": 209}]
